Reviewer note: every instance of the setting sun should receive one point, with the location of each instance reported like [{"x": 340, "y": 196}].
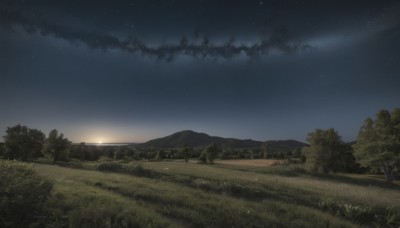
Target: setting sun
[{"x": 100, "y": 142}]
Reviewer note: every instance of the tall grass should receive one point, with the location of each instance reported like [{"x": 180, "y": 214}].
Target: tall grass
[{"x": 190, "y": 195}]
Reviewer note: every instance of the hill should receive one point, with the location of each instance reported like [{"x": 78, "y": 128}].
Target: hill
[
  {"x": 195, "y": 139},
  {"x": 284, "y": 144}
]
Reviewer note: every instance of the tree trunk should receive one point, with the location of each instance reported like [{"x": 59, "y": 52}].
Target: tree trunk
[
  {"x": 54, "y": 157},
  {"x": 389, "y": 173}
]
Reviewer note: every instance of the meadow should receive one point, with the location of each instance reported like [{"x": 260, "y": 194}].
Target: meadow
[{"x": 179, "y": 194}]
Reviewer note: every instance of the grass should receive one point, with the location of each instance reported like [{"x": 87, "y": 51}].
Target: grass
[{"x": 178, "y": 194}]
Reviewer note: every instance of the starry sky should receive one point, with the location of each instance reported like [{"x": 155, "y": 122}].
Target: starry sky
[{"x": 131, "y": 71}]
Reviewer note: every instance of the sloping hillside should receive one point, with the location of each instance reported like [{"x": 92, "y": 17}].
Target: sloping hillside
[{"x": 195, "y": 139}]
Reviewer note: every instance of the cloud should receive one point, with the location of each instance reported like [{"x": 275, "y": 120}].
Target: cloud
[{"x": 34, "y": 23}]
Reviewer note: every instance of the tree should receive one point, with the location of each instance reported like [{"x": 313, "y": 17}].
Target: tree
[
  {"x": 251, "y": 154},
  {"x": 1, "y": 149},
  {"x": 82, "y": 148},
  {"x": 119, "y": 154},
  {"x": 203, "y": 157},
  {"x": 378, "y": 143},
  {"x": 78, "y": 151},
  {"x": 226, "y": 151},
  {"x": 265, "y": 149},
  {"x": 56, "y": 146},
  {"x": 23, "y": 143},
  {"x": 296, "y": 152},
  {"x": 186, "y": 151},
  {"x": 211, "y": 152},
  {"x": 325, "y": 152},
  {"x": 160, "y": 154}
]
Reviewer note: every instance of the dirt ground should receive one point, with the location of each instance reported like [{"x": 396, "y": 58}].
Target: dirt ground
[{"x": 249, "y": 162}]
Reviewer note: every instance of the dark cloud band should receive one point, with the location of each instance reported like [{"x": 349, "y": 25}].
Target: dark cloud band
[{"x": 34, "y": 23}]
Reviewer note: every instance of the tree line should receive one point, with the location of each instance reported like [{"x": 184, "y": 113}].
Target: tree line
[
  {"x": 23, "y": 143},
  {"x": 377, "y": 149}
]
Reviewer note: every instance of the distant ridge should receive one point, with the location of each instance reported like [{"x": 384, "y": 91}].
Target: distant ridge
[
  {"x": 195, "y": 139},
  {"x": 284, "y": 144}
]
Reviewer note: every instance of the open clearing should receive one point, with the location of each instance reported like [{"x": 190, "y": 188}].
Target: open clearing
[{"x": 179, "y": 194}]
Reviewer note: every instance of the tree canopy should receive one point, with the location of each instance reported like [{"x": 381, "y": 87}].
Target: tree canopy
[
  {"x": 210, "y": 153},
  {"x": 378, "y": 143},
  {"x": 186, "y": 151},
  {"x": 23, "y": 143},
  {"x": 327, "y": 153},
  {"x": 57, "y": 146}
]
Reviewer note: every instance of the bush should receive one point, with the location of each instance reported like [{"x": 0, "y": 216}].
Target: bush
[
  {"x": 138, "y": 170},
  {"x": 203, "y": 157},
  {"x": 110, "y": 166},
  {"x": 71, "y": 164},
  {"x": 105, "y": 159},
  {"x": 23, "y": 194}
]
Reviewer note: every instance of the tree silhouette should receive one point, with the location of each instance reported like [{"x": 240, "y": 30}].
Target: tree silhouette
[
  {"x": 57, "y": 146},
  {"x": 378, "y": 143},
  {"x": 23, "y": 143}
]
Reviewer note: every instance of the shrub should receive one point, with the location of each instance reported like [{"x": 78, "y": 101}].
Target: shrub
[
  {"x": 138, "y": 170},
  {"x": 105, "y": 159},
  {"x": 203, "y": 157},
  {"x": 23, "y": 194},
  {"x": 363, "y": 214},
  {"x": 70, "y": 164},
  {"x": 110, "y": 166},
  {"x": 160, "y": 154}
]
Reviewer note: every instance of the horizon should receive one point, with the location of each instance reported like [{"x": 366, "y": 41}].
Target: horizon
[
  {"x": 132, "y": 71},
  {"x": 104, "y": 143}
]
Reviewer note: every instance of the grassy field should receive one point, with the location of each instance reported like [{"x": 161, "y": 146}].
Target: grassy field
[
  {"x": 249, "y": 162},
  {"x": 178, "y": 194}
]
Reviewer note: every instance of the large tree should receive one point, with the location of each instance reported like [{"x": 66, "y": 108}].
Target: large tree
[
  {"x": 378, "y": 143},
  {"x": 23, "y": 143},
  {"x": 210, "y": 152},
  {"x": 56, "y": 146},
  {"x": 326, "y": 151},
  {"x": 186, "y": 152},
  {"x": 1, "y": 149}
]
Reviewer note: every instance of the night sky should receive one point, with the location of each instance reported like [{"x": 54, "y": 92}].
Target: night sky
[{"x": 130, "y": 71}]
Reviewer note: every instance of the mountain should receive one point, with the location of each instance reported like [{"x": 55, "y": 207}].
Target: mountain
[
  {"x": 284, "y": 145},
  {"x": 195, "y": 139}
]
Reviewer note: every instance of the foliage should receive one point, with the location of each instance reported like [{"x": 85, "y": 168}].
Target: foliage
[
  {"x": 56, "y": 146},
  {"x": 138, "y": 170},
  {"x": 327, "y": 153},
  {"x": 1, "y": 149},
  {"x": 186, "y": 151},
  {"x": 160, "y": 154},
  {"x": 211, "y": 152},
  {"x": 85, "y": 152},
  {"x": 378, "y": 143},
  {"x": 119, "y": 154},
  {"x": 110, "y": 166},
  {"x": 23, "y": 143},
  {"x": 203, "y": 157},
  {"x": 266, "y": 151},
  {"x": 226, "y": 152},
  {"x": 363, "y": 214},
  {"x": 23, "y": 194},
  {"x": 297, "y": 152}
]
